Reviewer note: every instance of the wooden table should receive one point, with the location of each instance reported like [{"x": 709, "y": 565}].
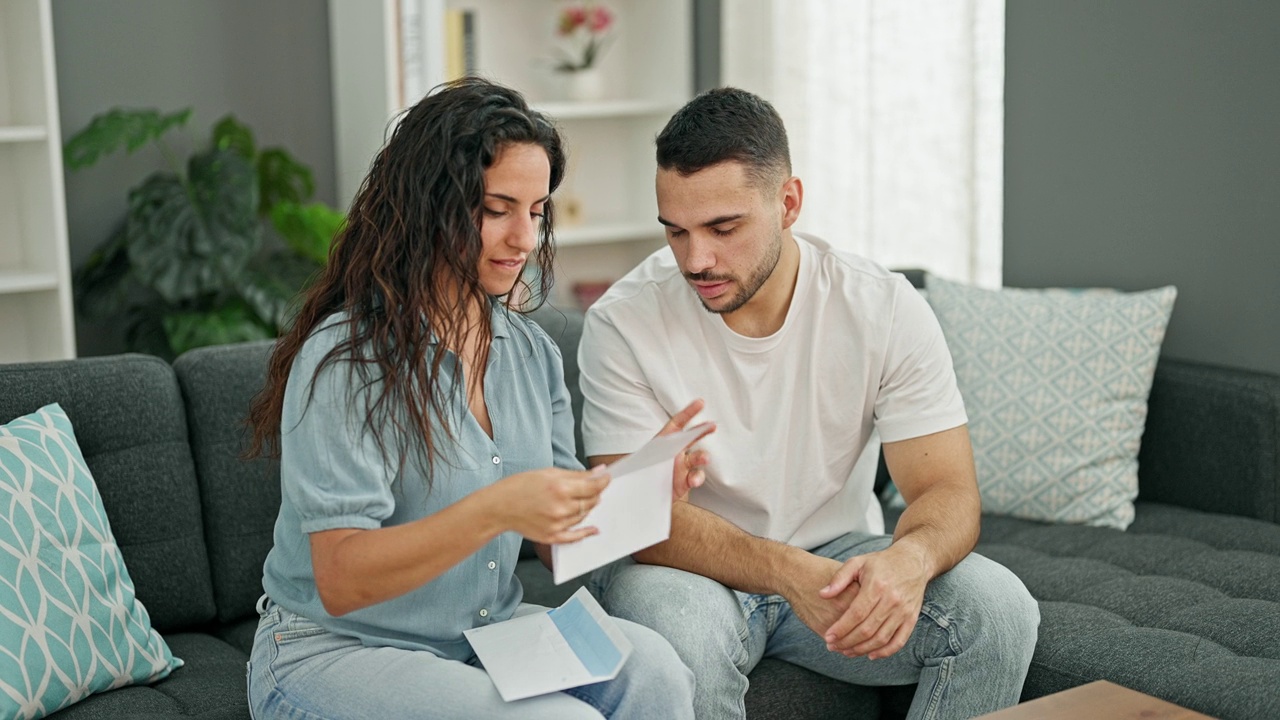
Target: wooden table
[{"x": 1099, "y": 699}]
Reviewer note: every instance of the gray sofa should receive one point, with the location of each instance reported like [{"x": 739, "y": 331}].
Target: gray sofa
[{"x": 1182, "y": 605}]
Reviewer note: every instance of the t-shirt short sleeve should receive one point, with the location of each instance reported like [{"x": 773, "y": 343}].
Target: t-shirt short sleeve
[
  {"x": 918, "y": 394},
  {"x": 620, "y": 412},
  {"x": 332, "y": 471}
]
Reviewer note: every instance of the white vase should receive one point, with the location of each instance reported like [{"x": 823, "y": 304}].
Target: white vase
[{"x": 583, "y": 85}]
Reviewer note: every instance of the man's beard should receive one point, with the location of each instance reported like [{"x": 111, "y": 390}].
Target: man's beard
[{"x": 759, "y": 275}]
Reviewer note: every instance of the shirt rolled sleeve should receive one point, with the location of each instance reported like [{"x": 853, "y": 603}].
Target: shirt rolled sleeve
[{"x": 332, "y": 470}]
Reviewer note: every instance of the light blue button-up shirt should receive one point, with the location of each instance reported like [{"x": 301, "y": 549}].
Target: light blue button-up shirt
[{"x": 333, "y": 475}]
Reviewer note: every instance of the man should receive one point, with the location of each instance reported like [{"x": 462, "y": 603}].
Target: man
[{"x": 803, "y": 354}]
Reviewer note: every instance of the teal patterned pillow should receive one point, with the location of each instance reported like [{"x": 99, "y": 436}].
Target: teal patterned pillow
[
  {"x": 69, "y": 622},
  {"x": 1055, "y": 383}
]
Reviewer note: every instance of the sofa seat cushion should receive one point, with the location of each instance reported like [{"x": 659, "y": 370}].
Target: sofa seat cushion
[
  {"x": 211, "y": 686},
  {"x": 1182, "y": 606},
  {"x": 128, "y": 416},
  {"x": 239, "y": 633}
]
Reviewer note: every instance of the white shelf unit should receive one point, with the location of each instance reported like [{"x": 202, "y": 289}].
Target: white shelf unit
[
  {"x": 36, "y": 321},
  {"x": 648, "y": 72}
]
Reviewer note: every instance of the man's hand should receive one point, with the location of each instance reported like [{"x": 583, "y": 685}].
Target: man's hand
[
  {"x": 687, "y": 472},
  {"x": 887, "y": 604},
  {"x": 808, "y": 575}
]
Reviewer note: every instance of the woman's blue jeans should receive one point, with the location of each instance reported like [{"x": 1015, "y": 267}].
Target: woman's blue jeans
[
  {"x": 300, "y": 670},
  {"x": 969, "y": 651}
]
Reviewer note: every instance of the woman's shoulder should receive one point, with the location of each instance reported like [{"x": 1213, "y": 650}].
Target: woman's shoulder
[
  {"x": 330, "y": 332},
  {"x": 527, "y": 331}
]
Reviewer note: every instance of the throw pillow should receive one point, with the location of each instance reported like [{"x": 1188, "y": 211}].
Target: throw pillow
[
  {"x": 1055, "y": 383},
  {"x": 69, "y": 622}
]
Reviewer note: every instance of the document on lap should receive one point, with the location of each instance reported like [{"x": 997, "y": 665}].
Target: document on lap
[
  {"x": 634, "y": 511},
  {"x": 572, "y": 645}
]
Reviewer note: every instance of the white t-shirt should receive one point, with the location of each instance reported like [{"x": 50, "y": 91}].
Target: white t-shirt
[{"x": 794, "y": 457}]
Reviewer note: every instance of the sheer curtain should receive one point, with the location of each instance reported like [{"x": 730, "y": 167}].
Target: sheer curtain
[{"x": 894, "y": 109}]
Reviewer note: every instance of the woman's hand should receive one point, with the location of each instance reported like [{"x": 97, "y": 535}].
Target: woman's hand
[
  {"x": 543, "y": 505},
  {"x": 687, "y": 473}
]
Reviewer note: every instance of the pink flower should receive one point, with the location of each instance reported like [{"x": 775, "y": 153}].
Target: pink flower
[
  {"x": 601, "y": 19},
  {"x": 586, "y": 25},
  {"x": 572, "y": 18}
]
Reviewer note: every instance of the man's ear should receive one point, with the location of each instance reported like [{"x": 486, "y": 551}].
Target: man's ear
[{"x": 792, "y": 196}]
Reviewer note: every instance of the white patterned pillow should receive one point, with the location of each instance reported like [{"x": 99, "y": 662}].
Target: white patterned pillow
[
  {"x": 69, "y": 622},
  {"x": 1055, "y": 383}
]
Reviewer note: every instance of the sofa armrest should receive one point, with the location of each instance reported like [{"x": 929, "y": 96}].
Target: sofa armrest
[{"x": 1211, "y": 440}]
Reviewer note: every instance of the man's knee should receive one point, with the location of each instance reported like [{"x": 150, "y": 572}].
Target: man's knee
[
  {"x": 998, "y": 605},
  {"x": 657, "y": 661},
  {"x": 697, "y": 615},
  {"x": 652, "y": 592}
]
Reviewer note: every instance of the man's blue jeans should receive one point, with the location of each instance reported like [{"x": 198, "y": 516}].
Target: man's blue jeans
[{"x": 969, "y": 651}]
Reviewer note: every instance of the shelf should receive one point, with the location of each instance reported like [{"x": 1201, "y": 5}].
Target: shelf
[
  {"x": 607, "y": 233},
  {"x": 22, "y": 133},
  {"x": 12, "y": 282},
  {"x": 606, "y": 109}
]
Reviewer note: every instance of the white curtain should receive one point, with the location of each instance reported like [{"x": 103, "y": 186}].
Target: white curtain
[{"x": 895, "y": 112}]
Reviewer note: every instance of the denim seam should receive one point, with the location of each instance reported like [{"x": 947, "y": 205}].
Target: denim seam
[
  {"x": 572, "y": 692},
  {"x": 948, "y": 628},
  {"x": 284, "y": 637}
]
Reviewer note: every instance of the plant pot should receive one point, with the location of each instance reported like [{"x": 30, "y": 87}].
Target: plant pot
[{"x": 582, "y": 85}]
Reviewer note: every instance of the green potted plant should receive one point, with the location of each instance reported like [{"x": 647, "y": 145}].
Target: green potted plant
[{"x": 195, "y": 262}]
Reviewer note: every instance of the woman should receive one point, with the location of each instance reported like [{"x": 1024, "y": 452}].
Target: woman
[{"x": 423, "y": 429}]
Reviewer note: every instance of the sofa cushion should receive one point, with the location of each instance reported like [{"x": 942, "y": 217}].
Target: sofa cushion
[
  {"x": 1182, "y": 606},
  {"x": 1055, "y": 383},
  {"x": 779, "y": 689},
  {"x": 211, "y": 687},
  {"x": 564, "y": 326},
  {"x": 128, "y": 418},
  {"x": 1213, "y": 422},
  {"x": 71, "y": 624},
  {"x": 240, "y": 499}
]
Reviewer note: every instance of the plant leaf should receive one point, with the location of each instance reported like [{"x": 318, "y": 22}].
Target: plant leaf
[
  {"x": 308, "y": 230},
  {"x": 144, "y": 332},
  {"x": 103, "y": 283},
  {"x": 228, "y": 324},
  {"x": 185, "y": 240},
  {"x": 282, "y": 179},
  {"x": 231, "y": 134},
  {"x": 117, "y": 127},
  {"x": 273, "y": 286}
]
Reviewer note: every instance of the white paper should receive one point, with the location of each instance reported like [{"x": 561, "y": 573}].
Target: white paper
[
  {"x": 573, "y": 645},
  {"x": 634, "y": 511}
]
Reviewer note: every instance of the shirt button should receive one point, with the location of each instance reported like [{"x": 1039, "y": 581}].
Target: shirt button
[
  {"x": 484, "y": 613},
  {"x": 492, "y": 564},
  {"x": 496, "y": 459}
]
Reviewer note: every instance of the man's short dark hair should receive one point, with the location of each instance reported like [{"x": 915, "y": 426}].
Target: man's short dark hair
[{"x": 726, "y": 124}]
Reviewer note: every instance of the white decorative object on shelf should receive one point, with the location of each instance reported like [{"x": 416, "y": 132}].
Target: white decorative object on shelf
[
  {"x": 582, "y": 85},
  {"x": 646, "y": 74},
  {"x": 36, "y": 321}
]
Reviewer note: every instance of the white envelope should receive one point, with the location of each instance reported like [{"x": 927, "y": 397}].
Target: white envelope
[
  {"x": 573, "y": 645},
  {"x": 634, "y": 511}
]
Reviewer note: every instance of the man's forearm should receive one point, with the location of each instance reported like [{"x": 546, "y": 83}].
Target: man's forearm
[
  {"x": 941, "y": 526},
  {"x": 704, "y": 543}
]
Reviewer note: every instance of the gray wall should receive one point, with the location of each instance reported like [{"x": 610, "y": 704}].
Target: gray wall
[
  {"x": 265, "y": 61},
  {"x": 1142, "y": 147}
]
